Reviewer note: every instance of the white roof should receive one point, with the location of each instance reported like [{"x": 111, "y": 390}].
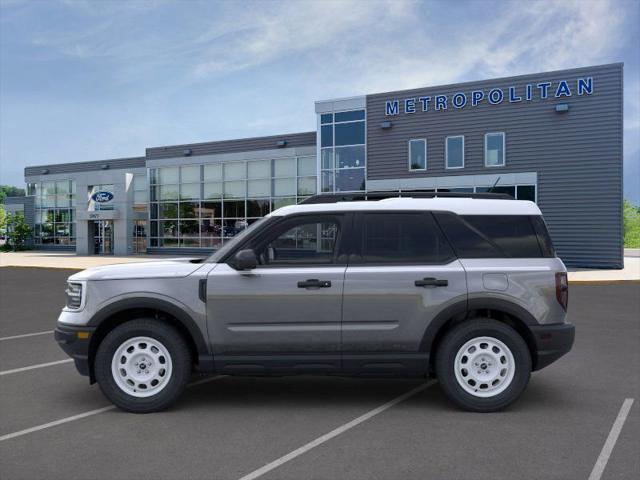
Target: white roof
[{"x": 461, "y": 206}]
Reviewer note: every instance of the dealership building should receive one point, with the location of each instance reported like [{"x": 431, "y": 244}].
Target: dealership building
[{"x": 554, "y": 138}]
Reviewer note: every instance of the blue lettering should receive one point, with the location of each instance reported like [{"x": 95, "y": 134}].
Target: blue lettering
[
  {"x": 585, "y": 85},
  {"x": 410, "y": 105},
  {"x": 459, "y": 100},
  {"x": 544, "y": 89},
  {"x": 512, "y": 95},
  {"x": 441, "y": 102},
  {"x": 529, "y": 92},
  {"x": 496, "y": 96},
  {"x": 425, "y": 103},
  {"x": 476, "y": 97},
  {"x": 563, "y": 89},
  {"x": 391, "y": 107}
]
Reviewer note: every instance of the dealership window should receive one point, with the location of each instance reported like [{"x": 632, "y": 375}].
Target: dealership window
[
  {"x": 140, "y": 189},
  {"x": 343, "y": 151},
  {"x": 54, "y": 212},
  {"x": 418, "y": 154},
  {"x": 205, "y": 205},
  {"x": 494, "y": 150},
  {"x": 455, "y": 151}
]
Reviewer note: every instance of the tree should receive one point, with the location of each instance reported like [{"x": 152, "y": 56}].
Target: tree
[
  {"x": 631, "y": 225},
  {"x": 3, "y": 218},
  {"x": 10, "y": 191},
  {"x": 18, "y": 231}
]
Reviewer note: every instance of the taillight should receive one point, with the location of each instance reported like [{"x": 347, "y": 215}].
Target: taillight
[{"x": 562, "y": 289}]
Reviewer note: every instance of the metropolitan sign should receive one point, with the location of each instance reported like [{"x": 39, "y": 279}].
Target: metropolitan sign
[{"x": 493, "y": 96}]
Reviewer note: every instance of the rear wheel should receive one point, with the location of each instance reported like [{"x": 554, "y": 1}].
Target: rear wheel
[
  {"x": 483, "y": 365},
  {"x": 143, "y": 365}
]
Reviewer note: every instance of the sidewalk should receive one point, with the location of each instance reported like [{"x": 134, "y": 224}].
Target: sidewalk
[{"x": 48, "y": 259}]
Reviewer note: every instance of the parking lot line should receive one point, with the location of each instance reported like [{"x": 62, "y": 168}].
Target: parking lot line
[
  {"x": 601, "y": 463},
  {"x": 33, "y": 367},
  {"x": 90, "y": 413},
  {"x": 334, "y": 433},
  {"x": 24, "y": 335}
]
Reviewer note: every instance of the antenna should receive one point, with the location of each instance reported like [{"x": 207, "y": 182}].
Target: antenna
[{"x": 494, "y": 185}]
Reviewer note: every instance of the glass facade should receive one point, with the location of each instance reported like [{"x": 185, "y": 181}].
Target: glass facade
[
  {"x": 54, "y": 212},
  {"x": 343, "y": 151},
  {"x": 202, "y": 205}
]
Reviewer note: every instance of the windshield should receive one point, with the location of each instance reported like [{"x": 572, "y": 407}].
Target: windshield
[{"x": 231, "y": 244}]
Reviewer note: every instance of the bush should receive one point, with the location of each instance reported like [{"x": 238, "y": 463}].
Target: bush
[{"x": 631, "y": 225}]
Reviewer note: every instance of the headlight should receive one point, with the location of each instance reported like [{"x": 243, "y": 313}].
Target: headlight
[{"x": 74, "y": 295}]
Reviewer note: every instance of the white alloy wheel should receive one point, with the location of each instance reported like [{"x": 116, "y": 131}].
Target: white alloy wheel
[
  {"x": 141, "y": 366},
  {"x": 484, "y": 367}
]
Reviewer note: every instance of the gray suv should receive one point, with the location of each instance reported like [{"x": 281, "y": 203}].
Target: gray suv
[{"x": 468, "y": 290}]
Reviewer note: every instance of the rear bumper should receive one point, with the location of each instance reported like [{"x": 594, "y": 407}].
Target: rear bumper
[
  {"x": 74, "y": 346},
  {"x": 552, "y": 342}
]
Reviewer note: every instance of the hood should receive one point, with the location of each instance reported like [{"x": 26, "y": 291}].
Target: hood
[{"x": 173, "y": 268}]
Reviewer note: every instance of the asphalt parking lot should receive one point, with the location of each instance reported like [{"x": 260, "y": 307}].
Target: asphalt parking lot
[{"x": 318, "y": 428}]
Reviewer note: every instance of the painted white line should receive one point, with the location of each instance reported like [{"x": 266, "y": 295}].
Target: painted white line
[
  {"x": 334, "y": 433},
  {"x": 84, "y": 415},
  {"x": 601, "y": 463},
  {"x": 32, "y": 367},
  {"x": 25, "y": 335}
]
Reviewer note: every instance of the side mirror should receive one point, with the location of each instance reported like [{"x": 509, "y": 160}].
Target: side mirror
[{"x": 245, "y": 260}]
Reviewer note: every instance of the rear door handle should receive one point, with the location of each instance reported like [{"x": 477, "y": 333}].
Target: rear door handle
[
  {"x": 431, "y": 282},
  {"x": 314, "y": 283}
]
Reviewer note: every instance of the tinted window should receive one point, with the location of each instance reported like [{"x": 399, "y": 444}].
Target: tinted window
[
  {"x": 403, "y": 238},
  {"x": 477, "y": 236},
  {"x": 543, "y": 236},
  {"x": 467, "y": 242}
]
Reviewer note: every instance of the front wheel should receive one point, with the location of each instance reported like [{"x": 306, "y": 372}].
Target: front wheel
[
  {"x": 143, "y": 365},
  {"x": 483, "y": 365}
]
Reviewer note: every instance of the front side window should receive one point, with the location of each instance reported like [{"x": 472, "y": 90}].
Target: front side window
[
  {"x": 413, "y": 238},
  {"x": 303, "y": 242},
  {"x": 494, "y": 146},
  {"x": 455, "y": 152},
  {"x": 418, "y": 154}
]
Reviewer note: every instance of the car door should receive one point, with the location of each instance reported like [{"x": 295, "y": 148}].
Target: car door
[
  {"x": 286, "y": 313},
  {"x": 401, "y": 276}
]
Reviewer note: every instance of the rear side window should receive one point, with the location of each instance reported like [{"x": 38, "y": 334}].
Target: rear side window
[
  {"x": 543, "y": 236},
  {"x": 400, "y": 238},
  {"x": 491, "y": 236}
]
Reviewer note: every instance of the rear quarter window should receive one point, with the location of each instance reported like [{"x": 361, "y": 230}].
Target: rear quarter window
[{"x": 491, "y": 236}]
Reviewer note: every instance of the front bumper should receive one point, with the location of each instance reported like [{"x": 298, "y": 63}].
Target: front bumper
[
  {"x": 552, "y": 342},
  {"x": 75, "y": 343}
]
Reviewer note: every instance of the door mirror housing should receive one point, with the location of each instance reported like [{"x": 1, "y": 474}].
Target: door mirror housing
[{"x": 245, "y": 260}]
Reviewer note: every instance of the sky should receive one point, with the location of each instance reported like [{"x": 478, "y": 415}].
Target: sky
[{"x": 90, "y": 80}]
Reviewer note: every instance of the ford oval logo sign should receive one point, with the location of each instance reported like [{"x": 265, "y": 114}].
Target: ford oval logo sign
[{"x": 102, "y": 197}]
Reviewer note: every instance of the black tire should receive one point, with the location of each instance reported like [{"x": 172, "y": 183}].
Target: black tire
[
  {"x": 177, "y": 348},
  {"x": 456, "y": 338}
]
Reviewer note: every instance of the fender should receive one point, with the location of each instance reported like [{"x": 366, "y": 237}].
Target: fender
[
  {"x": 465, "y": 306},
  {"x": 155, "y": 304}
]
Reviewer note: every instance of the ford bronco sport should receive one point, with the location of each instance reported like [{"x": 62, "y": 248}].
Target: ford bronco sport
[{"x": 468, "y": 290}]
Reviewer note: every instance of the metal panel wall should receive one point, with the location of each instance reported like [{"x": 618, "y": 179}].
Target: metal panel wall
[
  {"x": 577, "y": 155},
  {"x": 231, "y": 146},
  {"x": 97, "y": 165}
]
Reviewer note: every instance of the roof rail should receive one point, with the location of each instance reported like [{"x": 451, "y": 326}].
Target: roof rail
[{"x": 381, "y": 195}]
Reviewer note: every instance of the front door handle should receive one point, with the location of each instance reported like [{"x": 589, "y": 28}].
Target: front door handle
[
  {"x": 314, "y": 283},
  {"x": 431, "y": 282}
]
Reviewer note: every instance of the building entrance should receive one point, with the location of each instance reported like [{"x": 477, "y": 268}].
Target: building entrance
[{"x": 103, "y": 237}]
